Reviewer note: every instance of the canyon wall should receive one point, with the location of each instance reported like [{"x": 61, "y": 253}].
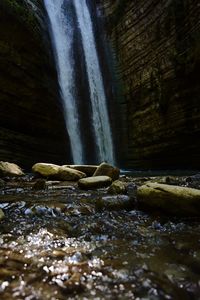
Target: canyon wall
[
  {"x": 156, "y": 62},
  {"x": 31, "y": 121}
]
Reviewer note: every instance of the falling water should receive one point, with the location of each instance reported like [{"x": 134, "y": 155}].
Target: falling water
[
  {"x": 97, "y": 94},
  {"x": 62, "y": 30}
]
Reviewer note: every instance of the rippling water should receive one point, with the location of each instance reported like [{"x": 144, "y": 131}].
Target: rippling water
[{"x": 61, "y": 244}]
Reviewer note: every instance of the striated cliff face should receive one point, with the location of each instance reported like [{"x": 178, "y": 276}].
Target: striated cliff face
[
  {"x": 31, "y": 121},
  {"x": 156, "y": 50}
]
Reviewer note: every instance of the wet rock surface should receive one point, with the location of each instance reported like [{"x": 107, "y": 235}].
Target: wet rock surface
[{"x": 62, "y": 242}]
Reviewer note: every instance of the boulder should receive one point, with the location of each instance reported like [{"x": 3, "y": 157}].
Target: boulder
[
  {"x": 2, "y": 216},
  {"x": 105, "y": 169},
  {"x": 10, "y": 169},
  {"x": 117, "y": 187},
  {"x": 46, "y": 170},
  {"x": 175, "y": 200},
  {"x": 56, "y": 172},
  {"x": 68, "y": 174},
  {"x": 87, "y": 169},
  {"x": 94, "y": 182}
]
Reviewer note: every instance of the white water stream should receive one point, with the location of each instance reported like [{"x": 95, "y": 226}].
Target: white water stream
[{"x": 62, "y": 29}]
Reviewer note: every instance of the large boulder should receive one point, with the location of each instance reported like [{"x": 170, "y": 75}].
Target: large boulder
[
  {"x": 175, "y": 200},
  {"x": 105, "y": 169},
  {"x": 57, "y": 172},
  {"x": 87, "y": 169},
  {"x": 46, "y": 170},
  {"x": 10, "y": 169},
  {"x": 117, "y": 187},
  {"x": 69, "y": 174},
  {"x": 94, "y": 182}
]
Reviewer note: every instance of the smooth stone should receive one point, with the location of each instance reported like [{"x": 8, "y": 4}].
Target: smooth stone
[
  {"x": 10, "y": 169},
  {"x": 68, "y": 174},
  {"x": 117, "y": 187},
  {"x": 105, "y": 169},
  {"x": 2, "y": 216},
  {"x": 172, "y": 199},
  {"x": 87, "y": 169},
  {"x": 94, "y": 182},
  {"x": 45, "y": 169}
]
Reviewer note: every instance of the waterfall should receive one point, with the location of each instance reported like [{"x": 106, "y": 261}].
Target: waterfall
[
  {"x": 97, "y": 94},
  {"x": 63, "y": 31}
]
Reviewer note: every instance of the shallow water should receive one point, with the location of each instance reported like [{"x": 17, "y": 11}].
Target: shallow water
[{"x": 61, "y": 244}]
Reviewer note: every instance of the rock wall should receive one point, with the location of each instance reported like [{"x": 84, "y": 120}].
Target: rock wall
[
  {"x": 156, "y": 51},
  {"x": 31, "y": 122}
]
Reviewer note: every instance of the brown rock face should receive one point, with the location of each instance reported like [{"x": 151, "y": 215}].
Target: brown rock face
[
  {"x": 31, "y": 121},
  {"x": 156, "y": 47}
]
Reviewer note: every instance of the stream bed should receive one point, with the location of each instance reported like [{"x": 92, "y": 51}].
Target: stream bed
[{"x": 62, "y": 243}]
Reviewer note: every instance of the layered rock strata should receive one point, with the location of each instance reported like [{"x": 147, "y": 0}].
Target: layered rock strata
[
  {"x": 156, "y": 50},
  {"x": 31, "y": 121}
]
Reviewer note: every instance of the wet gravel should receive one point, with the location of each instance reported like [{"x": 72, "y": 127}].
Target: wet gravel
[{"x": 64, "y": 243}]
